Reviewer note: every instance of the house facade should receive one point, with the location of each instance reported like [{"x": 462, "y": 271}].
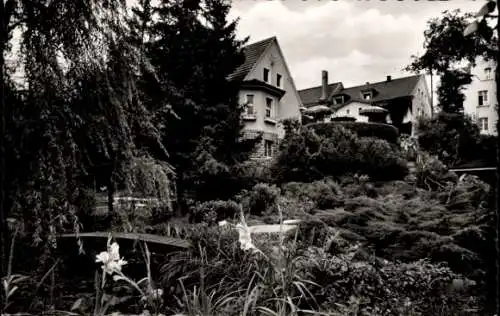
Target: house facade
[
  {"x": 404, "y": 99},
  {"x": 268, "y": 92},
  {"x": 480, "y": 97}
]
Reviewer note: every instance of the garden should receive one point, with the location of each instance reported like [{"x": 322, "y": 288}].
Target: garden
[
  {"x": 126, "y": 186},
  {"x": 370, "y": 238}
]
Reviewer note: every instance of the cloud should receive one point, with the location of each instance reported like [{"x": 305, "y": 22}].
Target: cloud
[{"x": 355, "y": 41}]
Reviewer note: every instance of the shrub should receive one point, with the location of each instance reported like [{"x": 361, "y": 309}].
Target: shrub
[
  {"x": 431, "y": 173},
  {"x": 362, "y": 129},
  {"x": 343, "y": 119},
  {"x": 262, "y": 198},
  {"x": 324, "y": 193},
  {"x": 306, "y": 155},
  {"x": 378, "y": 287},
  {"x": 211, "y": 212},
  {"x": 381, "y": 160},
  {"x": 453, "y": 138}
]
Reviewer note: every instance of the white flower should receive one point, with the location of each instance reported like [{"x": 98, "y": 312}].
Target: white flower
[
  {"x": 222, "y": 223},
  {"x": 111, "y": 261},
  {"x": 245, "y": 237}
]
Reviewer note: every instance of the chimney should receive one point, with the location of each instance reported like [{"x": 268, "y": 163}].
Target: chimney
[
  {"x": 324, "y": 85},
  {"x": 389, "y": 78}
]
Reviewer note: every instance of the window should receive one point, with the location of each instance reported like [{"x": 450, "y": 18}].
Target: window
[
  {"x": 339, "y": 100},
  {"x": 269, "y": 107},
  {"x": 278, "y": 80},
  {"x": 359, "y": 110},
  {"x": 483, "y": 124},
  {"x": 347, "y": 111},
  {"x": 266, "y": 75},
  {"x": 367, "y": 95},
  {"x": 482, "y": 98},
  {"x": 487, "y": 73},
  {"x": 268, "y": 148},
  {"x": 250, "y": 108}
]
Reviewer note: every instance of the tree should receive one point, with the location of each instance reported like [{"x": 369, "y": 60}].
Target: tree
[
  {"x": 446, "y": 46},
  {"x": 195, "y": 50},
  {"x": 445, "y": 49},
  {"x": 74, "y": 112},
  {"x": 450, "y": 91}
]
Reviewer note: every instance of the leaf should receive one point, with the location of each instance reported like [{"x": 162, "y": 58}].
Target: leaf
[
  {"x": 14, "y": 289},
  {"x": 77, "y": 304}
]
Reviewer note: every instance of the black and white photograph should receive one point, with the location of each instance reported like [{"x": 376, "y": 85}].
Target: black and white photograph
[{"x": 249, "y": 157}]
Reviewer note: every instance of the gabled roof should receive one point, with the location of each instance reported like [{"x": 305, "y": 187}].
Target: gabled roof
[
  {"x": 252, "y": 54},
  {"x": 310, "y": 97},
  {"x": 385, "y": 90}
]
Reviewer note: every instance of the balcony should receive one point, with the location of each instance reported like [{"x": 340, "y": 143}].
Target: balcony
[
  {"x": 249, "y": 117},
  {"x": 271, "y": 120}
]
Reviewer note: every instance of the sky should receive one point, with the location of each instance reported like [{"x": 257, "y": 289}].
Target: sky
[{"x": 356, "y": 41}]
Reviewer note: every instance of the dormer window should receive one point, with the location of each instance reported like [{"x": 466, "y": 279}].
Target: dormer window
[
  {"x": 266, "y": 75},
  {"x": 367, "y": 95},
  {"x": 338, "y": 100}
]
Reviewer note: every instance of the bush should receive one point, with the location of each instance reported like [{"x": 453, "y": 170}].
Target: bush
[
  {"x": 324, "y": 193},
  {"x": 362, "y": 129},
  {"x": 455, "y": 139},
  {"x": 306, "y": 156},
  {"x": 378, "y": 287},
  {"x": 262, "y": 198},
  {"x": 211, "y": 212},
  {"x": 343, "y": 119}
]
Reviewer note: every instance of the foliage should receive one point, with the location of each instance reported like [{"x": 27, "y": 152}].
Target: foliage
[
  {"x": 306, "y": 155},
  {"x": 262, "y": 199},
  {"x": 325, "y": 194},
  {"x": 450, "y": 91},
  {"x": 446, "y": 48},
  {"x": 431, "y": 173},
  {"x": 74, "y": 121},
  {"x": 211, "y": 212},
  {"x": 453, "y": 138},
  {"x": 445, "y": 45},
  {"x": 319, "y": 264},
  {"x": 343, "y": 119},
  {"x": 384, "y": 288},
  {"x": 194, "y": 48},
  {"x": 362, "y": 129}
]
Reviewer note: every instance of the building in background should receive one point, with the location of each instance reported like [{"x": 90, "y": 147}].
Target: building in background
[
  {"x": 480, "y": 97},
  {"x": 404, "y": 99},
  {"x": 268, "y": 91}
]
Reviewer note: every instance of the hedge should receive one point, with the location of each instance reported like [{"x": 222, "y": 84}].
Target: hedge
[
  {"x": 343, "y": 119},
  {"x": 362, "y": 129}
]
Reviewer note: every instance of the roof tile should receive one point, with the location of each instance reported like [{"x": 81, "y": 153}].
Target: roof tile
[
  {"x": 385, "y": 90},
  {"x": 252, "y": 54}
]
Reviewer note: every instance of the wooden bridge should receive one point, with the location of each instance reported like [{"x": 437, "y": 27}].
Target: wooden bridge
[{"x": 148, "y": 238}]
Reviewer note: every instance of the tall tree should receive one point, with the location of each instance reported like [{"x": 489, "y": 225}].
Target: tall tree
[
  {"x": 445, "y": 49},
  {"x": 195, "y": 50},
  {"x": 76, "y": 107},
  {"x": 450, "y": 91}
]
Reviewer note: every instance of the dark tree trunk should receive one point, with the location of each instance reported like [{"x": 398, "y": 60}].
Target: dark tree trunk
[{"x": 4, "y": 235}]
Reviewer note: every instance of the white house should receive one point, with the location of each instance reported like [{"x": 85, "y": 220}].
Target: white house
[
  {"x": 405, "y": 99},
  {"x": 268, "y": 90},
  {"x": 480, "y": 97}
]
